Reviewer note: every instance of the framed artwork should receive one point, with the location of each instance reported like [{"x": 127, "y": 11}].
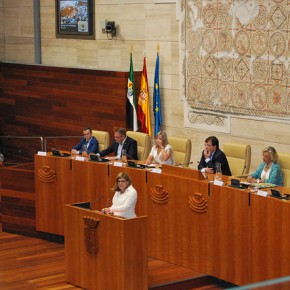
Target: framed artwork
[{"x": 75, "y": 19}]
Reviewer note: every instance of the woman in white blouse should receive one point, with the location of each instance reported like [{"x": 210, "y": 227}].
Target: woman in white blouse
[
  {"x": 125, "y": 197},
  {"x": 161, "y": 152}
]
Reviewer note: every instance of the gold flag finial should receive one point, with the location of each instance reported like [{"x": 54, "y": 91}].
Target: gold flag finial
[
  {"x": 158, "y": 48},
  {"x": 131, "y": 50}
]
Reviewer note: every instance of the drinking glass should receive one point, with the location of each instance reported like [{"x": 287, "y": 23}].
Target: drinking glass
[
  {"x": 84, "y": 151},
  {"x": 218, "y": 171},
  {"x": 124, "y": 156}
]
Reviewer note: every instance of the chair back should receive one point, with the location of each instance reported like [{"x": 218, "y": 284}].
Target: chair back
[
  {"x": 284, "y": 162},
  {"x": 103, "y": 138},
  {"x": 143, "y": 144},
  {"x": 181, "y": 150},
  {"x": 239, "y": 157}
]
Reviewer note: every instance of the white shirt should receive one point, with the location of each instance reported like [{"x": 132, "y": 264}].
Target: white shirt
[
  {"x": 120, "y": 147},
  {"x": 158, "y": 157},
  {"x": 124, "y": 203}
]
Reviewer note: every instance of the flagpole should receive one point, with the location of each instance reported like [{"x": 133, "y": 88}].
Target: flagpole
[{"x": 156, "y": 95}]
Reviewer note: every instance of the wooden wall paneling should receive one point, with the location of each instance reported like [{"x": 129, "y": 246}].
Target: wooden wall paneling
[
  {"x": 18, "y": 199},
  {"x": 229, "y": 220},
  {"x": 54, "y": 101}
]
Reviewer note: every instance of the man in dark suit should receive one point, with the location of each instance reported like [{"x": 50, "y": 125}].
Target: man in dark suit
[
  {"x": 212, "y": 155},
  {"x": 122, "y": 141},
  {"x": 89, "y": 141}
]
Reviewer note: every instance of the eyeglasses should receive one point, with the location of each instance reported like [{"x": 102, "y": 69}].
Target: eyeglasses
[
  {"x": 122, "y": 181},
  {"x": 87, "y": 134}
]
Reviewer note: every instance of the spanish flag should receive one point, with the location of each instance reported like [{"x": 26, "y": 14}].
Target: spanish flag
[{"x": 143, "y": 113}]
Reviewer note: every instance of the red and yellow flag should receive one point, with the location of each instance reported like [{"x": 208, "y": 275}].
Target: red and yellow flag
[{"x": 143, "y": 113}]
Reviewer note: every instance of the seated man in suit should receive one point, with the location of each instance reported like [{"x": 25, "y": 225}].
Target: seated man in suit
[
  {"x": 122, "y": 141},
  {"x": 212, "y": 155},
  {"x": 89, "y": 141}
]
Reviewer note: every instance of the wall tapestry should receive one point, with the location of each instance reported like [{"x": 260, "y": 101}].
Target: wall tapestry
[{"x": 236, "y": 61}]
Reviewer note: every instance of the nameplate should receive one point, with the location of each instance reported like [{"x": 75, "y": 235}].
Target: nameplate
[
  {"x": 156, "y": 170},
  {"x": 262, "y": 193},
  {"x": 218, "y": 182},
  {"x": 42, "y": 153},
  {"x": 118, "y": 164},
  {"x": 80, "y": 158}
]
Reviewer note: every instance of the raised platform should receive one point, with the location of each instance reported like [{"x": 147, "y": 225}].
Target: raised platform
[{"x": 32, "y": 263}]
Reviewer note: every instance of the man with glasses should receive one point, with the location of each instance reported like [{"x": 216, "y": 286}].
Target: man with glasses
[
  {"x": 212, "y": 155},
  {"x": 122, "y": 142},
  {"x": 88, "y": 143}
]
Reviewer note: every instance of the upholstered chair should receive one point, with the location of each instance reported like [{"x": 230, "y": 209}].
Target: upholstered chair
[
  {"x": 143, "y": 143},
  {"x": 181, "y": 150},
  {"x": 103, "y": 138},
  {"x": 239, "y": 157}
]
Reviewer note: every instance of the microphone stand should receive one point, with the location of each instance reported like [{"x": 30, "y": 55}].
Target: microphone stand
[{"x": 96, "y": 200}]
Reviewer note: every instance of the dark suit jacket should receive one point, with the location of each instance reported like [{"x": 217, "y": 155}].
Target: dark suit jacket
[
  {"x": 130, "y": 145},
  {"x": 218, "y": 157},
  {"x": 93, "y": 146}
]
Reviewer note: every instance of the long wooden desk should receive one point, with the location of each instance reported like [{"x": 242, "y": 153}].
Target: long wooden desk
[{"x": 229, "y": 233}]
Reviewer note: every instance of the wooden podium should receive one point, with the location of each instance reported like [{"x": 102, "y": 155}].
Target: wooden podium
[{"x": 103, "y": 251}]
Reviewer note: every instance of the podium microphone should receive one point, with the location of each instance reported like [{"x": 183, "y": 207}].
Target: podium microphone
[{"x": 96, "y": 200}]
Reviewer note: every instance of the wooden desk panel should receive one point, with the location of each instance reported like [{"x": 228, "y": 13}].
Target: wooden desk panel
[
  {"x": 177, "y": 233},
  {"x": 219, "y": 234},
  {"x": 270, "y": 238},
  {"x": 52, "y": 183},
  {"x": 90, "y": 182},
  {"x": 184, "y": 172},
  {"x": 229, "y": 243}
]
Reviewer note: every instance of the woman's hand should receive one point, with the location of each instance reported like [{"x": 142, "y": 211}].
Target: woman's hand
[
  {"x": 106, "y": 210},
  {"x": 158, "y": 143}
]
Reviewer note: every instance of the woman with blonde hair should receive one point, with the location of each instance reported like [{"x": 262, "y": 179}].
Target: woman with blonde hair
[
  {"x": 125, "y": 197},
  {"x": 161, "y": 152},
  {"x": 269, "y": 170}
]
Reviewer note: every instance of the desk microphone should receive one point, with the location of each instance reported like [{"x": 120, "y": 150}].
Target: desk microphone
[
  {"x": 130, "y": 157},
  {"x": 96, "y": 200},
  {"x": 99, "y": 157},
  {"x": 245, "y": 166},
  {"x": 237, "y": 182}
]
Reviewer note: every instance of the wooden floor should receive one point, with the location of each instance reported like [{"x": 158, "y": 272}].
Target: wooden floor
[{"x": 31, "y": 263}]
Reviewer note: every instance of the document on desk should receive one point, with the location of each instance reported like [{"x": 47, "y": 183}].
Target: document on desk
[{"x": 262, "y": 193}]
